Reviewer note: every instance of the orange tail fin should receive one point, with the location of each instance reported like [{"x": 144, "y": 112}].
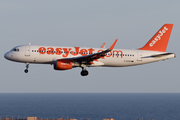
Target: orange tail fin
[{"x": 160, "y": 40}]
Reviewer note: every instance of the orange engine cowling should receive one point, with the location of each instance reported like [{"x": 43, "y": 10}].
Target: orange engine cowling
[{"x": 63, "y": 64}]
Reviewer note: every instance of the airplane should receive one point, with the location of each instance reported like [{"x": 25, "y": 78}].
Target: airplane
[{"x": 65, "y": 58}]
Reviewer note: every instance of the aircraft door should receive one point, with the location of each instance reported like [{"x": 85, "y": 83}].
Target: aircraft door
[
  {"x": 27, "y": 50},
  {"x": 139, "y": 55}
]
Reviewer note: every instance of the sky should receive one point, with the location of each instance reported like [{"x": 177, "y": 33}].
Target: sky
[{"x": 88, "y": 23}]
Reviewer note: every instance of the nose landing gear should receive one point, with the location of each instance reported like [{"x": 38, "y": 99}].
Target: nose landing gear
[{"x": 27, "y": 66}]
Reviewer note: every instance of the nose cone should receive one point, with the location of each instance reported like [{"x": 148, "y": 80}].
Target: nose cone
[{"x": 7, "y": 56}]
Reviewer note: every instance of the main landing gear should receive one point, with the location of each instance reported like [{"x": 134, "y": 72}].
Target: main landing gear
[
  {"x": 84, "y": 72},
  {"x": 27, "y": 66}
]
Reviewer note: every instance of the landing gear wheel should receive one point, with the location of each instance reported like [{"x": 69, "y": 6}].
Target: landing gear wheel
[
  {"x": 27, "y": 66},
  {"x": 26, "y": 70},
  {"x": 84, "y": 72}
]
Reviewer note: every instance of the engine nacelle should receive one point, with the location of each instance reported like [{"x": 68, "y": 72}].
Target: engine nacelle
[{"x": 63, "y": 65}]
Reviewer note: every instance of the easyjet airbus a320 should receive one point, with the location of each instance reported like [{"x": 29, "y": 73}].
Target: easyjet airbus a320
[{"x": 65, "y": 58}]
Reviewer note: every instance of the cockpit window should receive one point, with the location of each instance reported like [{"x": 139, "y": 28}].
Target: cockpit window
[{"x": 15, "y": 49}]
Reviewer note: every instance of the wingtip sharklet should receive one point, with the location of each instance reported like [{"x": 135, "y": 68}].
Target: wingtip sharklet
[
  {"x": 103, "y": 45},
  {"x": 112, "y": 46}
]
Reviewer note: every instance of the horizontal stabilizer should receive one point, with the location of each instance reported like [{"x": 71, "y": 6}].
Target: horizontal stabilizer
[{"x": 159, "y": 55}]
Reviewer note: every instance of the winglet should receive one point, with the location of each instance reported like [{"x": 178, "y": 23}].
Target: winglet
[
  {"x": 102, "y": 46},
  {"x": 112, "y": 46}
]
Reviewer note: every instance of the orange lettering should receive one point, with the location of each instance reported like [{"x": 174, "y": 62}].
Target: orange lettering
[
  {"x": 117, "y": 53},
  {"x": 109, "y": 54},
  {"x": 50, "y": 50},
  {"x": 42, "y": 50},
  {"x": 91, "y": 50},
  {"x": 66, "y": 52},
  {"x": 58, "y": 51},
  {"x": 100, "y": 50},
  {"x": 83, "y": 52},
  {"x": 76, "y": 51}
]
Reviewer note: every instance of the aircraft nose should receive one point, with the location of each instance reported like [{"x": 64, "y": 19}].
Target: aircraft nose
[{"x": 7, "y": 55}]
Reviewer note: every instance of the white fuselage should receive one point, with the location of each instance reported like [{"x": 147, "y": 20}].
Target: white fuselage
[
  {"x": 65, "y": 58},
  {"x": 116, "y": 58}
]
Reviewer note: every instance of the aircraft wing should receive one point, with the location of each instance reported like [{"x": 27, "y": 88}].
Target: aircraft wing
[{"x": 93, "y": 57}]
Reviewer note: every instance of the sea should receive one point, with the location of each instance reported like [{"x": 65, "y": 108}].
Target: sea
[{"x": 91, "y": 106}]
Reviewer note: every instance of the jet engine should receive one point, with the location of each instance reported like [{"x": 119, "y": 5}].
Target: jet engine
[{"x": 64, "y": 64}]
